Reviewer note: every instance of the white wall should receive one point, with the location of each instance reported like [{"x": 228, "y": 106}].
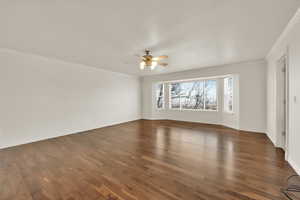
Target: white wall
[
  {"x": 43, "y": 98},
  {"x": 252, "y": 98},
  {"x": 288, "y": 42}
]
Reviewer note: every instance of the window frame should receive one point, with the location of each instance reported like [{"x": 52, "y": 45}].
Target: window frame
[
  {"x": 225, "y": 110},
  {"x": 204, "y": 92},
  {"x": 162, "y": 96}
]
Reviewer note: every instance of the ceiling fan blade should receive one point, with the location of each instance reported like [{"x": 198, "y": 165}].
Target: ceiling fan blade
[
  {"x": 163, "y": 64},
  {"x": 159, "y": 58},
  {"x": 163, "y": 57}
]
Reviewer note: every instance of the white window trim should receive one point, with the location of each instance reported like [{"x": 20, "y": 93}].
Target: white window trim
[
  {"x": 193, "y": 80},
  {"x": 224, "y": 107}
]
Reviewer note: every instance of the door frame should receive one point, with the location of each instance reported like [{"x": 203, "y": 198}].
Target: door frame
[{"x": 279, "y": 139}]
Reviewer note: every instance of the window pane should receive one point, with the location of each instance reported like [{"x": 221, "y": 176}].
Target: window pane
[
  {"x": 175, "y": 89},
  {"x": 159, "y": 90},
  {"x": 159, "y": 102},
  {"x": 160, "y": 96},
  {"x": 228, "y": 94},
  {"x": 192, "y": 95},
  {"x": 186, "y": 88},
  {"x": 175, "y": 102},
  {"x": 210, "y": 95}
]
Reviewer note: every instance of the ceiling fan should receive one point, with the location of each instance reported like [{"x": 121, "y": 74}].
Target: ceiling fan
[{"x": 148, "y": 61}]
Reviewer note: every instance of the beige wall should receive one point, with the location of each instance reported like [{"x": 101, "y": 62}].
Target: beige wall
[{"x": 44, "y": 98}]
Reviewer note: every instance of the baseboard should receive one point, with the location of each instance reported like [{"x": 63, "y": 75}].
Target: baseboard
[
  {"x": 152, "y": 119},
  {"x": 66, "y": 134},
  {"x": 173, "y": 120},
  {"x": 195, "y": 123},
  {"x": 121, "y": 122},
  {"x": 251, "y": 131},
  {"x": 272, "y": 141},
  {"x": 294, "y": 165},
  {"x": 207, "y": 124}
]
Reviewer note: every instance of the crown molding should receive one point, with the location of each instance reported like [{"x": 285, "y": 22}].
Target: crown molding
[{"x": 289, "y": 27}]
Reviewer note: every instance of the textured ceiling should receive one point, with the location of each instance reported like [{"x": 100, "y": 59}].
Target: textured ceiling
[{"x": 107, "y": 34}]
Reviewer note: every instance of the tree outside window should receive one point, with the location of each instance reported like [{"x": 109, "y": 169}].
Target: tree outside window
[{"x": 194, "y": 95}]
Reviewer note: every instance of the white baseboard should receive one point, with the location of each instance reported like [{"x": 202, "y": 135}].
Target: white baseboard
[
  {"x": 294, "y": 165},
  {"x": 271, "y": 139},
  {"x": 66, "y": 133}
]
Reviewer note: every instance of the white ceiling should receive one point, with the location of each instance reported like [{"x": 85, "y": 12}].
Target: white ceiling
[{"x": 107, "y": 34}]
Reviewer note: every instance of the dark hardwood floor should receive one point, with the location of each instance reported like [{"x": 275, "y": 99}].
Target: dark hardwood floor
[{"x": 143, "y": 160}]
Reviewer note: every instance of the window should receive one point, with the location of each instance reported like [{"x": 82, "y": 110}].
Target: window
[
  {"x": 194, "y": 95},
  {"x": 175, "y": 96},
  {"x": 210, "y": 95},
  {"x": 160, "y": 96},
  {"x": 228, "y": 94}
]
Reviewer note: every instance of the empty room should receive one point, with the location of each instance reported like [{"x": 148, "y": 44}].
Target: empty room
[{"x": 150, "y": 100}]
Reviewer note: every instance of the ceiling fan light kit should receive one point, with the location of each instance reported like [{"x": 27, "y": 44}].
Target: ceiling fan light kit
[
  {"x": 148, "y": 61},
  {"x": 142, "y": 65}
]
